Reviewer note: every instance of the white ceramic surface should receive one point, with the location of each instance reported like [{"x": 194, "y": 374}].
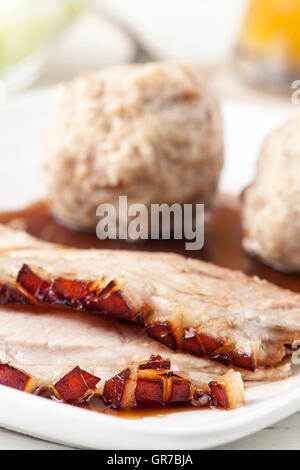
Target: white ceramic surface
[{"x": 21, "y": 125}]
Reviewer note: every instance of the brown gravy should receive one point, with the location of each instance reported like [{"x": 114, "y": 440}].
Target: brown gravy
[
  {"x": 223, "y": 235},
  {"x": 95, "y": 403}
]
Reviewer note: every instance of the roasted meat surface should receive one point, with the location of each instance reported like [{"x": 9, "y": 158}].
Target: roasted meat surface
[
  {"x": 150, "y": 383},
  {"x": 186, "y": 304},
  {"x": 48, "y": 343}
]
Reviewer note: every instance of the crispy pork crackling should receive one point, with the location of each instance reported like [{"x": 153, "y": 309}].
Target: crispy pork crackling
[
  {"x": 47, "y": 343},
  {"x": 148, "y": 383},
  {"x": 186, "y": 304}
]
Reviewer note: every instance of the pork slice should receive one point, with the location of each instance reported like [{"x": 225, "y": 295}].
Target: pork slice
[
  {"x": 186, "y": 304},
  {"x": 47, "y": 343}
]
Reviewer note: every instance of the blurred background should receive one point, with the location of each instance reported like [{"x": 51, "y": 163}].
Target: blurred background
[{"x": 249, "y": 49}]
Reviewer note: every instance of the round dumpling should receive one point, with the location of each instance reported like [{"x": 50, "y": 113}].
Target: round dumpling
[
  {"x": 151, "y": 132},
  {"x": 271, "y": 213}
]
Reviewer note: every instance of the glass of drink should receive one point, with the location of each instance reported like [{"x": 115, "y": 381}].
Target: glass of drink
[{"x": 269, "y": 45}]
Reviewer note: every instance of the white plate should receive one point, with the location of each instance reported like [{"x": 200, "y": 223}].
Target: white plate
[{"x": 21, "y": 126}]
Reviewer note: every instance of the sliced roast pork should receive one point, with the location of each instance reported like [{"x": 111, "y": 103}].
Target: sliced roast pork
[
  {"x": 78, "y": 354},
  {"x": 186, "y": 304},
  {"x": 47, "y": 343}
]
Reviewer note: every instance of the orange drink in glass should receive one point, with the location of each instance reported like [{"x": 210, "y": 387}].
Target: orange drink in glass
[{"x": 269, "y": 44}]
